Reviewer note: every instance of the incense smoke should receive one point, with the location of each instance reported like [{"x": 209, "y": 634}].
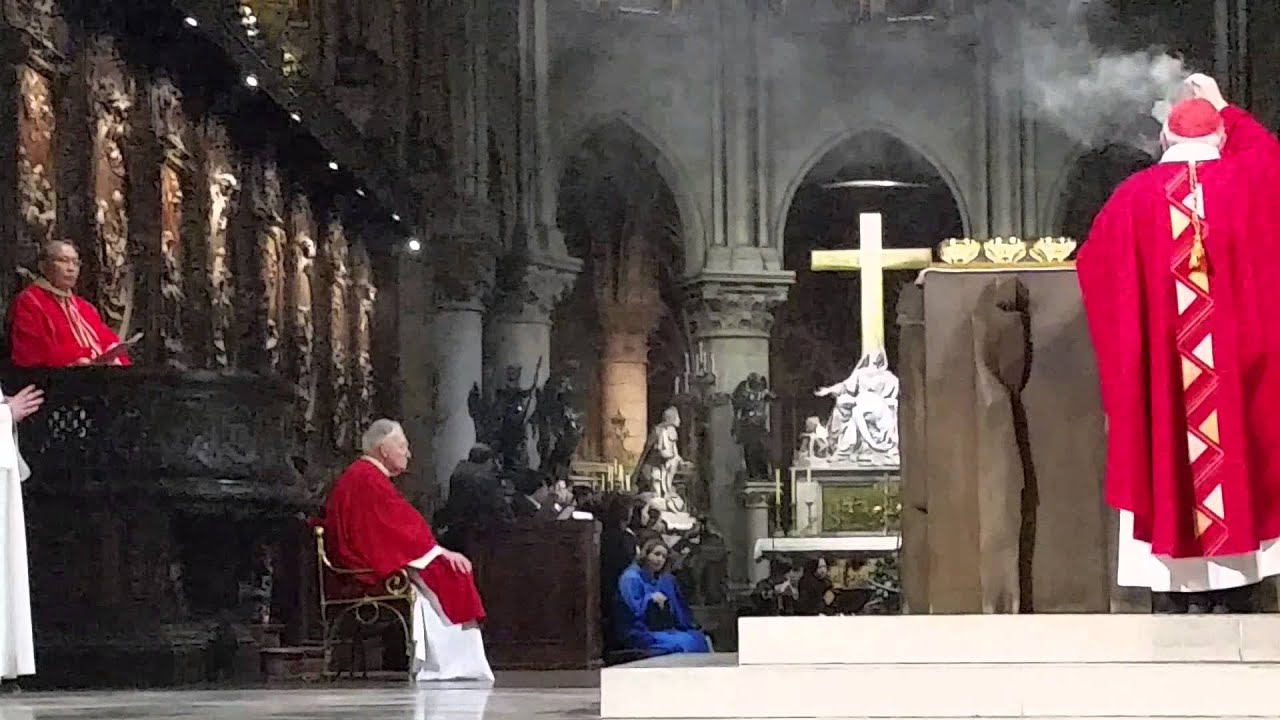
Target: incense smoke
[{"x": 1092, "y": 95}]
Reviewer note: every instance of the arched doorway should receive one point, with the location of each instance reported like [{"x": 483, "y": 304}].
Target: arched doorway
[
  {"x": 622, "y": 324},
  {"x": 816, "y": 338},
  {"x": 1092, "y": 180}
]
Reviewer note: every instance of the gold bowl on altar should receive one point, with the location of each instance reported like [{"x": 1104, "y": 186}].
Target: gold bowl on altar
[
  {"x": 1005, "y": 251},
  {"x": 1053, "y": 249},
  {"x": 959, "y": 251}
]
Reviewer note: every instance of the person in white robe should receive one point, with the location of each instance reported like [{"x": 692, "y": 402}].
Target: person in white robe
[{"x": 17, "y": 650}]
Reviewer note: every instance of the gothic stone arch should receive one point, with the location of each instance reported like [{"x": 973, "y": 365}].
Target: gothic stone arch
[
  {"x": 833, "y": 142},
  {"x": 692, "y": 231}
]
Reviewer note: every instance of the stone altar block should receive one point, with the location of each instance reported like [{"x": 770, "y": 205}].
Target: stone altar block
[{"x": 1003, "y": 447}]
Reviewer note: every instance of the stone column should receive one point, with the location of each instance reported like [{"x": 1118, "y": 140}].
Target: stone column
[
  {"x": 463, "y": 280},
  {"x": 519, "y": 332},
  {"x": 731, "y": 315},
  {"x": 755, "y": 498},
  {"x": 624, "y": 377},
  {"x": 627, "y": 292},
  {"x": 416, "y": 376}
]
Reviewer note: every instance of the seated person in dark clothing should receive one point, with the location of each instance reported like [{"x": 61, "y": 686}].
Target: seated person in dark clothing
[
  {"x": 816, "y": 594},
  {"x": 477, "y": 503},
  {"x": 534, "y": 499},
  {"x": 618, "y": 548},
  {"x": 779, "y": 593},
  {"x": 651, "y": 613}
]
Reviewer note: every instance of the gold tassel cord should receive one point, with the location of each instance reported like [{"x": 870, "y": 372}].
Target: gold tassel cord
[{"x": 1199, "y": 259}]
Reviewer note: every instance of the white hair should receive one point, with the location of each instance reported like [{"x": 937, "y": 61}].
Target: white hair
[
  {"x": 379, "y": 432},
  {"x": 1171, "y": 138}
]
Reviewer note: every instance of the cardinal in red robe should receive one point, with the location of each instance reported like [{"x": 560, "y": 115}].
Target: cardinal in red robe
[
  {"x": 369, "y": 524},
  {"x": 1181, "y": 283},
  {"x": 51, "y": 327}
]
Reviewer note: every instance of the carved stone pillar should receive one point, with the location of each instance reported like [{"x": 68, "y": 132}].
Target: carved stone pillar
[
  {"x": 731, "y": 316},
  {"x": 626, "y": 287},
  {"x": 300, "y": 327},
  {"x": 171, "y": 130},
  {"x": 111, "y": 100},
  {"x": 519, "y": 332},
  {"x": 755, "y": 499},
  {"x": 463, "y": 281},
  {"x": 266, "y": 308},
  {"x": 219, "y": 193},
  {"x": 30, "y": 203}
]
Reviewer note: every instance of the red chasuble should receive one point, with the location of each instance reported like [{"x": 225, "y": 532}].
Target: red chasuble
[
  {"x": 49, "y": 328},
  {"x": 369, "y": 524},
  {"x": 1188, "y": 346}
]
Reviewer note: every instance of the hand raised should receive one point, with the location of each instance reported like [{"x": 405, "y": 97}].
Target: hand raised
[
  {"x": 660, "y": 599},
  {"x": 1202, "y": 86},
  {"x": 25, "y": 402}
]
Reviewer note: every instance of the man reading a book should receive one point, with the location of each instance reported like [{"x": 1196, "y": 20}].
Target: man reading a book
[{"x": 51, "y": 327}]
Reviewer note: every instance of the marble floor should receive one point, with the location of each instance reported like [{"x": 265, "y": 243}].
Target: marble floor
[{"x": 381, "y": 701}]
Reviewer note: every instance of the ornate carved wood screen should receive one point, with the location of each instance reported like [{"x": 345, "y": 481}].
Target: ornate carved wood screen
[{"x": 195, "y": 227}]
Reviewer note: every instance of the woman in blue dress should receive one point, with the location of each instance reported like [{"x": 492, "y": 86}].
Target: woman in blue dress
[{"x": 652, "y": 615}]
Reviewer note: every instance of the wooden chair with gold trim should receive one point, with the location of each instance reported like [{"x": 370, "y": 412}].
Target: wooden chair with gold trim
[{"x": 343, "y": 595}]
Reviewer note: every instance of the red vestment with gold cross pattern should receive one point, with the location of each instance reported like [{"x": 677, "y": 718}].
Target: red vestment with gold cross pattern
[{"x": 1188, "y": 352}]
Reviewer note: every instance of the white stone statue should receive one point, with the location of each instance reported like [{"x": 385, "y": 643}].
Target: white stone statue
[
  {"x": 863, "y": 428},
  {"x": 655, "y": 476},
  {"x": 661, "y": 457}
]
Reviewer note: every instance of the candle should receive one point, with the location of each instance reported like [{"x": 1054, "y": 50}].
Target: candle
[
  {"x": 713, "y": 363},
  {"x": 676, "y": 390},
  {"x": 777, "y": 489},
  {"x": 687, "y": 367}
]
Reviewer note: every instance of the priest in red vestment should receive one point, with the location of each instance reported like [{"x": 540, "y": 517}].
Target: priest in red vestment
[
  {"x": 51, "y": 327},
  {"x": 1181, "y": 283},
  {"x": 370, "y": 525}
]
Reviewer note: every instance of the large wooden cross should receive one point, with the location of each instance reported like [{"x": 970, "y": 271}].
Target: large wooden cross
[{"x": 870, "y": 260}]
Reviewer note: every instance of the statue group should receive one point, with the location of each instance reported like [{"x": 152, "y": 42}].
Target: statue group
[
  {"x": 863, "y": 428},
  {"x": 548, "y": 419}
]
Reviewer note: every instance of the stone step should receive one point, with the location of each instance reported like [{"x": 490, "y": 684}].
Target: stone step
[
  {"x": 1008, "y": 639},
  {"x": 267, "y": 636},
  {"x": 293, "y": 663},
  {"x": 715, "y": 686}
]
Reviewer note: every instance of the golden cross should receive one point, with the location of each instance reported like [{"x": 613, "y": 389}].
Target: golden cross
[{"x": 870, "y": 260}]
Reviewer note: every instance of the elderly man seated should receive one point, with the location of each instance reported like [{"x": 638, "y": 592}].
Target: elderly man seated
[
  {"x": 51, "y": 327},
  {"x": 371, "y": 525}
]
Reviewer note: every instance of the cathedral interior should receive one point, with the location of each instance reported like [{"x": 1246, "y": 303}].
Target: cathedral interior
[{"x": 322, "y": 212}]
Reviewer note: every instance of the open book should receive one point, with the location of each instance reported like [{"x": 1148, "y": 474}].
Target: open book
[{"x": 118, "y": 350}]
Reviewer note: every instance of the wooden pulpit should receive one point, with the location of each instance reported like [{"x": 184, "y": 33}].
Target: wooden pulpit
[
  {"x": 541, "y": 587},
  {"x": 1003, "y": 448}
]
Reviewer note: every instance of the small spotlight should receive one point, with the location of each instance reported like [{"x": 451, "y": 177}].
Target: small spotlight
[
  {"x": 414, "y": 245},
  {"x": 191, "y": 22},
  {"x": 295, "y": 117},
  {"x": 360, "y": 192},
  {"x": 395, "y": 217},
  {"x": 251, "y": 80},
  {"x": 333, "y": 165}
]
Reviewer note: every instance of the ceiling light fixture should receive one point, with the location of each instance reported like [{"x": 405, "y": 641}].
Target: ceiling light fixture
[
  {"x": 876, "y": 184},
  {"x": 333, "y": 165},
  {"x": 251, "y": 80},
  {"x": 191, "y": 22},
  {"x": 414, "y": 245}
]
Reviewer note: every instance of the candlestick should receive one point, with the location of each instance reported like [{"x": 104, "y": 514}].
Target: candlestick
[
  {"x": 777, "y": 490},
  {"x": 713, "y": 363},
  {"x": 687, "y": 367},
  {"x": 675, "y": 390}
]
